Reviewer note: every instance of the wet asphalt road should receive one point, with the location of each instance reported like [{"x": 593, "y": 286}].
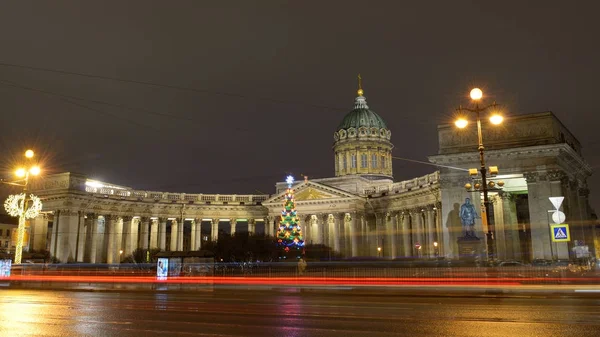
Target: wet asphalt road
[{"x": 293, "y": 314}]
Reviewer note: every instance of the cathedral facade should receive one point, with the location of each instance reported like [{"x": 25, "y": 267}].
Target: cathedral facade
[{"x": 360, "y": 212}]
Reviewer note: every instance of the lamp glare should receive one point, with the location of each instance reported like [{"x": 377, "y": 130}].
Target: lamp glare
[
  {"x": 35, "y": 170},
  {"x": 496, "y": 119},
  {"x": 29, "y": 154},
  {"x": 461, "y": 123},
  {"x": 20, "y": 172},
  {"x": 476, "y": 94}
]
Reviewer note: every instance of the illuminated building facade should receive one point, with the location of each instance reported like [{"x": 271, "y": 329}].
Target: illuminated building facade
[{"x": 360, "y": 212}]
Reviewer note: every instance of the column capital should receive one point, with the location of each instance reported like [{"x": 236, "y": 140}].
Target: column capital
[
  {"x": 531, "y": 177},
  {"x": 233, "y": 220},
  {"x": 145, "y": 219},
  {"x": 127, "y": 218},
  {"x": 251, "y": 221},
  {"x": 215, "y": 221},
  {"x": 111, "y": 217},
  {"x": 555, "y": 175}
]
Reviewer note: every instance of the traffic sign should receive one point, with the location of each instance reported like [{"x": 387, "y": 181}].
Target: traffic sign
[{"x": 560, "y": 233}]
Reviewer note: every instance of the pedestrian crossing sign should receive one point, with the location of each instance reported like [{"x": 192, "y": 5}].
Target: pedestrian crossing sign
[{"x": 560, "y": 233}]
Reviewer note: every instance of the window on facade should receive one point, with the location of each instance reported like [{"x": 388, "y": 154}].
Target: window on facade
[
  {"x": 383, "y": 162},
  {"x": 363, "y": 160},
  {"x": 345, "y": 163},
  {"x": 374, "y": 161},
  {"x": 5, "y": 244},
  {"x": 0, "y": 232},
  {"x": 8, "y": 232},
  {"x": 353, "y": 161}
]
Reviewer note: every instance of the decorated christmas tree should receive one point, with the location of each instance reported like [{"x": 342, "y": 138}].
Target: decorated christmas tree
[{"x": 289, "y": 236}]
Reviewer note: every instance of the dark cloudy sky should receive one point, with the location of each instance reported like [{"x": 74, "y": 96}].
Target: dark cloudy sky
[{"x": 272, "y": 79}]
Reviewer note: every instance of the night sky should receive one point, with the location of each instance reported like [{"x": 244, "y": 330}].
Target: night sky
[{"x": 247, "y": 91}]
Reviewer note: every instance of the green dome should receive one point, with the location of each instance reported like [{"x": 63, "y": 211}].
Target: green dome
[{"x": 362, "y": 116}]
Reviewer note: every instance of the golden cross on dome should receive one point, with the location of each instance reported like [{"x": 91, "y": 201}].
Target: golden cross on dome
[{"x": 360, "y": 90}]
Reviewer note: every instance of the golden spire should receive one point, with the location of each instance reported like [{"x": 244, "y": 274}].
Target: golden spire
[{"x": 360, "y": 92}]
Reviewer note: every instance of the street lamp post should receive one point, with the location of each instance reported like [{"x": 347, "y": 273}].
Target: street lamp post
[
  {"x": 22, "y": 206},
  {"x": 476, "y": 95}
]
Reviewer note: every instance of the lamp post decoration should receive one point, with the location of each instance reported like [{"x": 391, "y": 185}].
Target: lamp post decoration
[
  {"x": 485, "y": 186},
  {"x": 22, "y": 206}
]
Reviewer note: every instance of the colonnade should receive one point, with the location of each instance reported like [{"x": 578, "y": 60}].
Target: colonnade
[
  {"x": 92, "y": 238},
  {"x": 406, "y": 233}
]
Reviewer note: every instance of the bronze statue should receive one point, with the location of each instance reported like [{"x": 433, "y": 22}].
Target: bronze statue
[{"x": 468, "y": 214}]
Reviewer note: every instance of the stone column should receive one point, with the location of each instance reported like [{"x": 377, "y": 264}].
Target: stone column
[
  {"x": 80, "y": 240},
  {"x": 214, "y": 230},
  {"x": 174, "y": 233},
  {"x": 406, "y": 234},
  {"x": 391, "y": 234},
  {"x": 511, "y": 226},
  {"x": 251, "y": 226},
  {"x": 118, "y": 239},
  {"x": 144, "y": 232},
  {"x": 438, "y": 230},
  {"x": 67, "y": 236},
  {"x": 337, "y": 222},
  {"x": 163, "y": 234},
  {"x": 354, "y": 234},
  {"x": 193, "y": 235},
  {"x": 40, "y": 232},
  {"x": 325, "y": 230},
  {"x": 499, "y": 228},
  {"x": 135, "y": 233},
  {"x": 128, "y": 245},
  {"x": 431, "y": 237},
  {"x": 92, "y": 239},
  {"x": 154, "y": 234},
  {"x": 539, "y": 190},
  {"x": 417, "y": 231},
  {"x": 54, "y": 234},
  {"x": 111, "y": 236},
  {"x": 233, "y": 224},
  {"x": 198, "y": 240},
  {"x": 180, "y": 227}
]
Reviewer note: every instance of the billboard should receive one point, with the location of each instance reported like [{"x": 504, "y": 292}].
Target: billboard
[
  {"x": 5, "y": 268},
  {"x": 162, "y": 268}
]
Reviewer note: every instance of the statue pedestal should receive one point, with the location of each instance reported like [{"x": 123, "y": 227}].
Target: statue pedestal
[{"x": 469, "y": 248}]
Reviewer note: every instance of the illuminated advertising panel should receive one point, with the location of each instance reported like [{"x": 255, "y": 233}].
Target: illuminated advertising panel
[
  {"x": 5, "y": 268},
  {"x": 162, "y": 268}
]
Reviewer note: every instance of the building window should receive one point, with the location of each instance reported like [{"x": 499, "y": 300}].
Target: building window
[
  {"x": 0, "y": 232},
  {"x": 345, "y": 162},
  {"x": 353, "y": 161},
  {"x": 8, "y": 232},
  {"x": 363, "y": 160},
  {"x": 374, "y": 161},
  {"x": 5, "y": 244},
  {"x": 383, "y": 163}
]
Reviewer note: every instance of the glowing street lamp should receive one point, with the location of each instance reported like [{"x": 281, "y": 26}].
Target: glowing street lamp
[
  {"x": 496, "y": 119},
  {"x": 19, "y": 205}
]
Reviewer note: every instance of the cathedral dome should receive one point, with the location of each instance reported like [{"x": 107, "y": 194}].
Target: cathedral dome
[
  {"x": 362, "y": 143},
  {"x": 362, "y": 122},
  {"x": 362, "y": 116}
]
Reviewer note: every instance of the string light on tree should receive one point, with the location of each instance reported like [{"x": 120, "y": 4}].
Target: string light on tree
[{"x": 289, "y": 235}]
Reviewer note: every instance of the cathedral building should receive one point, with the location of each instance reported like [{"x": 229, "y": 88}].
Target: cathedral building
[{"x": 360, "y": 211}]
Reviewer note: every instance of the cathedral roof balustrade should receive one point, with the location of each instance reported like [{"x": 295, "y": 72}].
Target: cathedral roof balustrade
[
  {"x": 406, "y": 185},
  {"x": 179, "y": 197},
  {"x": 72, "y": 182}
]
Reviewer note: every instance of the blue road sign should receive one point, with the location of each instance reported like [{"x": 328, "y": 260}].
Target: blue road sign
[{"x": 560, "y": 233}]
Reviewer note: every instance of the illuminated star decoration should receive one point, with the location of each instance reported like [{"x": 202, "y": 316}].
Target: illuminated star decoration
[{"x": 289, "y": 180}]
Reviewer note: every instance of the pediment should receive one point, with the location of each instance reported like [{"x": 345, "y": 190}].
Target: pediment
[{"x": 311, "y": 191}]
